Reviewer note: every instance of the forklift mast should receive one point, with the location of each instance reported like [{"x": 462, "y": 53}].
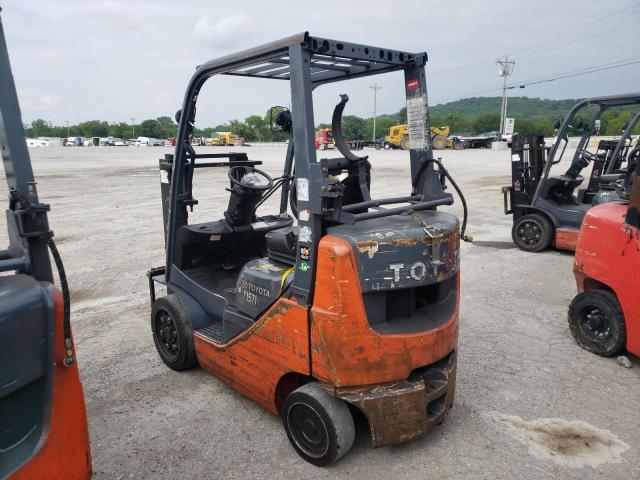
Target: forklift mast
[
  {"x": 528, "y": 161},
  {"x": 43, "y": 430}
]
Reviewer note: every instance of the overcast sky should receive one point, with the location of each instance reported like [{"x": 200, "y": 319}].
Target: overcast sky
[{"x": 113, "y": 60}]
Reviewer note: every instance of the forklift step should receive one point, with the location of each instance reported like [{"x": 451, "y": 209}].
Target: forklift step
[{"x": 213, "y": 332}]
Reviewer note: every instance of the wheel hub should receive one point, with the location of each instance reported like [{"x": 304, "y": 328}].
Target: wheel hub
[
  {"x": 167, "y": 333},
  {"x": 530, "y": 232},
  {"x": 308, "y": 430},
  {"x": 595, "y": 323}
]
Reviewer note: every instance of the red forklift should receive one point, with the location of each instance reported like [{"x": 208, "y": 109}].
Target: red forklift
[
  {"x": 43, "y": 423},
  {"x": 605, "y": 315},
  {"x": 352, "y": 308}
]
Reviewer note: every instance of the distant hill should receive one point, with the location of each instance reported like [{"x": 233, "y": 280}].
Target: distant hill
[{"x": 517, "y": 107}]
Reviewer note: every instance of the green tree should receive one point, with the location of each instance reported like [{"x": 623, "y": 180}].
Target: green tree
[
  {"x": 168, "y": 127},
  {"x": 94, "y": 128},
  {"x": 354, "y": 128},
  {"x": 40, "y": 128},
  {"x": 383, "y": 124},
  {"x": 402, "y": 114},
  {"x": 486, "y": 122},
  {"x": 150, "y": 128}
]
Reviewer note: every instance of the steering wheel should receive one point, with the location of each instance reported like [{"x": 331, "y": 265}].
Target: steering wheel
[
  {"x": 588, "y": 156},
  {"x": 247, "y": 185}
]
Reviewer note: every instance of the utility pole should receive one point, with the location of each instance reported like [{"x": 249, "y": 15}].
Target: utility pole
[
  {"x": 505, "y": 71},
  {"x": 133, "y": 127},
  {"x": 375, "y": 89},
  {"x": 66, "y": 122}
]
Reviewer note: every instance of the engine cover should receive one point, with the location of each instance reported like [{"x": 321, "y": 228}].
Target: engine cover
[
  {"x": 403, "y": 251},
  {"x": 260, "y": 284}
]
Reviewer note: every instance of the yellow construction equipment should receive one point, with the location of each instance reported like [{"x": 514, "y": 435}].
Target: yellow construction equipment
[
  {"x": 398, "y": 137},
  {"x": 222, "y": 139}
]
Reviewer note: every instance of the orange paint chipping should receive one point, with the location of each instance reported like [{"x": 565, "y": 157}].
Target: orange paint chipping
[{"x": 346, "y": 351}]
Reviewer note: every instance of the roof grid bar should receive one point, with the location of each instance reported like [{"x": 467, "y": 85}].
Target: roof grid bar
[{"x": 262, "y": 68}]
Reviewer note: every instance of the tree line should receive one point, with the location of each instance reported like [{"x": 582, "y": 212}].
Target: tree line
[{"x": 533, "y": 116}]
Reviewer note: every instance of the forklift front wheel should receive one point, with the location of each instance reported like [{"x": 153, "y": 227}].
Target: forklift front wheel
[
  {"x": 532, "y": 233},
  {"x": 319, "y": 425},
  {"x": 172, "y": 333},
  {"x": 439, "y": 142},
  {"x": 597, "y": 323}
]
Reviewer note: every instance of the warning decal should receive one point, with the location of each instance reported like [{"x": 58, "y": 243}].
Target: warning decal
[
  {"x": 413, "y": 84},
  {"x": 417, "y": 119}
]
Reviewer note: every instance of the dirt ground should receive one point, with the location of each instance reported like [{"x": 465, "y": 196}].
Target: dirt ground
[{"x": 530, "y": 404}]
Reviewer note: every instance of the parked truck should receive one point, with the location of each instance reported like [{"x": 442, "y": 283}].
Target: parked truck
[
  {"x": 149, "y": 142},
  {"x": 324, "y": 138}
]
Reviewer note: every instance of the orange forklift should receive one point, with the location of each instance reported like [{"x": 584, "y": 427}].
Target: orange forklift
[
  {"x": 353, "y": 308},
  {"x": 43, "y": 423},
  {"x": 605, "y": 315}
]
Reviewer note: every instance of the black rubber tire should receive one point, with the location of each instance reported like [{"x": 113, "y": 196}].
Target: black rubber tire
[
  {"x": 609, "y": 336},
  {"x": 405, "y": 143},
  {"x": 181, "y": 354},
  {"x": 328, "y": 420},
  {"x": 532, "y": 233},
  {"x": 386, "y": 146}
]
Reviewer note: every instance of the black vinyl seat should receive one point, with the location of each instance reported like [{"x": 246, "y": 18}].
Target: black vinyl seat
[
  {"x": 281, "y": 245},
  {"x": 560, "y": 188}
]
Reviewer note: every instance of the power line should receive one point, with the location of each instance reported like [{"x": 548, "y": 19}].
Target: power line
[
  {"x": 570, "y": 75},
  {"x": 536, "y": 80},
  {"x": 575, "y": 31}
]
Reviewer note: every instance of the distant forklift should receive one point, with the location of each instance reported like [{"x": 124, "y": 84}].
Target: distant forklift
[
  {"x": 546, "y": 208},
  {"x": 356, "y": 306},
  {"x": 43, "y": 422},
  {"x": 604, "y": 317}
]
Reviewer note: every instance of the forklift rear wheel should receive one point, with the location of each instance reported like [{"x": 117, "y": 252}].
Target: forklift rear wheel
[
  {"x": 597, "y": 322},
  {"x": 405, "y": 143},
  {"x": 532, "y": 233},
  {"x": 172, "y": 333},
  {"x": 319, "y": 426}
]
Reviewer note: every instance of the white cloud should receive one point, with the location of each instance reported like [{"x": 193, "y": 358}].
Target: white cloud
[{"x": 221, "y": 32}]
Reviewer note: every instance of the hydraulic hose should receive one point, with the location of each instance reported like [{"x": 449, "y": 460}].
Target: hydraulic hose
[
  {"x": 66, "y": 302},
  {"x": 68, "y": 360},
  {"x": 463, "y": 228}
]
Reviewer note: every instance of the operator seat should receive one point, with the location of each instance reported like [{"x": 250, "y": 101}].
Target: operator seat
[
  {"x": 281, "y": 245},
  {"x": 560, "y": 189}
]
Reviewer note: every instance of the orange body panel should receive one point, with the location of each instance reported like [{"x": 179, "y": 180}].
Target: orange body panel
[
  {"x": 566, "y": 239},
  {"x": 608, "y": 254},
  {"x": 66, "y": 453},
  {"x": 254, "y": 362},
  {"x": 346, "y": 351}
]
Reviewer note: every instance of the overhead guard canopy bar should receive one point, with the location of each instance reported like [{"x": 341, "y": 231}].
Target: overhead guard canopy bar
[{"x": 331, "y": 60}]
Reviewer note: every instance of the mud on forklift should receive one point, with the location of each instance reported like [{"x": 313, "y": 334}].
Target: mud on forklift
[
  {"x": 43, "y": 422},
  {"x": 546, "y": 208},
  {"x": 353, "y": 308}
]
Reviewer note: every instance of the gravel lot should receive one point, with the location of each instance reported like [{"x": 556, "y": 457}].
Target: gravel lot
[{"x": 530, "y": 403}]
